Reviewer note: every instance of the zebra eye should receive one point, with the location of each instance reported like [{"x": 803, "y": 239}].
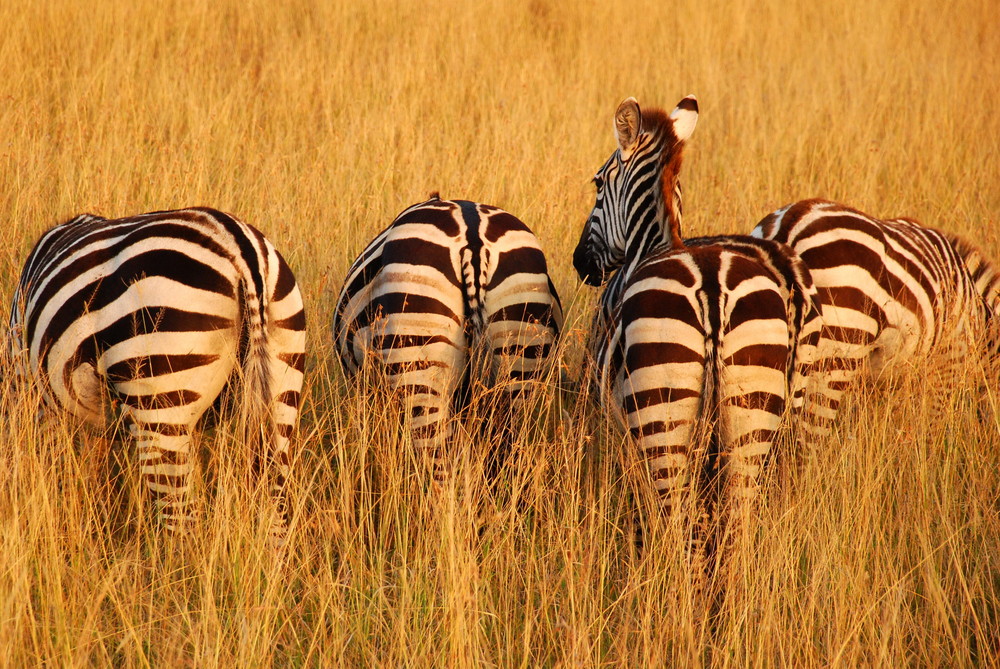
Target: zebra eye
[{"x": 599, "y": 182}]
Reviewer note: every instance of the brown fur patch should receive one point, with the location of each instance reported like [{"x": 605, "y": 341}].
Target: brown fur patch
[{"x": 658, "y": 123}]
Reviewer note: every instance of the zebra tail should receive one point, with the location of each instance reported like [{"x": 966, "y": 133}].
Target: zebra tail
[
  {"x": 707, "y": 435},
  {"x": 255, "y": 370},
  {"x": 707, "y": 440},
  {"x": 705, "y": 467}
]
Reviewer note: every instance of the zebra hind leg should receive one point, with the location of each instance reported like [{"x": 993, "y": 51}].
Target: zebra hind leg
[{"x": 165, "y": 466}]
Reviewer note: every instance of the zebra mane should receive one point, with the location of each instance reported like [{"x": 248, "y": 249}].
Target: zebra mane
[{"x": 659, "y": 126}]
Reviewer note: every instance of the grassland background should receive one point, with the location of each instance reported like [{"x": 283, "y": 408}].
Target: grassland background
[{"x": 318, "y": 123}]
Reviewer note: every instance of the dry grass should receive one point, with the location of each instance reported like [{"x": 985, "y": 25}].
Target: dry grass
[{"x": 318, "y": 123}]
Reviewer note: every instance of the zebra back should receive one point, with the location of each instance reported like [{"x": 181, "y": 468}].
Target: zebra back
[
  {"x": 798, "y": 289},
  {"x": 879, "y": 277}
]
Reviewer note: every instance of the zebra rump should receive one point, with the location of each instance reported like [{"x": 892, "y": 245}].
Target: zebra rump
[
  {"x": 155, "y": 315},
  {"x": 709, "y": 347},
  {"x": 450, "y": 282}
]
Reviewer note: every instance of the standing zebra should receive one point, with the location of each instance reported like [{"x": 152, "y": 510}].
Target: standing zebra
[
  {"x": 156, "y": 314},
  {"x": 698, "y": 344},
  {"x": 891, "y": 290},
  {"x": 445, "y": 279}
]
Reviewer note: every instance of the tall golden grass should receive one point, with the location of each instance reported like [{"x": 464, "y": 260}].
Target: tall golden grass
[{"x": 318, "y": 122}]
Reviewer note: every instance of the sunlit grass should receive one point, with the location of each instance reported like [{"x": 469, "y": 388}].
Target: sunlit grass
[{"x": 318, "y": 123}]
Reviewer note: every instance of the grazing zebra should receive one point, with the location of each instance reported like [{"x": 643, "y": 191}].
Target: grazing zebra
[
  {"x": 446, "y": 279},
  {"x": 891, "y": 291},
  {"x": 699, "y": 344},
  {"x": 154, "y": 315}
]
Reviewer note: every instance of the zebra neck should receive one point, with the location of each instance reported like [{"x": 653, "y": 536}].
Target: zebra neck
[{"x": 655, "y": 230}]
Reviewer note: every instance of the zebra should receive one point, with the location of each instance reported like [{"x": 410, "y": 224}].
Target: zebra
[
  {"x": 150, "y": 317},
  {"x": 891, "y": 291},
  {"x": 698, "y": 345},
  {"x": 447, "y": 281}
]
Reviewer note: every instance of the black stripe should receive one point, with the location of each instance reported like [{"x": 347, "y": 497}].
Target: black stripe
[
  {"x": 499, "y": 223},
  {"x": 403, "y": 303},
  {"x": 650, "y": 354},
  {"x": 289, "y": 398},
  {"x": 653, "y": 303},
  {"x": 286, "y": 280},
  {"x": 774, "y": 356},
  {"x": 294, "y": 323},
  {"x": 149, "y": 366},
  {"x": 436, "y": 213},
  {"x": 758, "y": 399},
  {"x": 655, "y": 396},
  {"x": 419, "y": 252},
  {"x": 393, "y": 341},
  {"x": 173, "y": 398},
  {"x": 525, "y": 312},
  {"x": 517, "y": 261},
  {"x": 296, "y": 361}
]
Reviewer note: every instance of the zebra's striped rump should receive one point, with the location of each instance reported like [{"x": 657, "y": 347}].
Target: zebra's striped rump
[
  {"x": 446, "y": 282},
  {"x": 158, "y": 313},
  {"x": 702, "y": 357},
  {"x": 891, "y": 291}
]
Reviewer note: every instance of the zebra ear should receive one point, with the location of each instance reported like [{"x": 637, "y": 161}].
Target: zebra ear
[
  {"x": 685, "y": 117},
  {"x": 628, "y": 120}
]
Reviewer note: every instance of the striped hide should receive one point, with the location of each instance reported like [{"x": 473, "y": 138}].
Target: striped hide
[
  {"x": 154, "y": 315},
  {"x": 892, "y": 291},
  {"x": 449, "y": 281},
  {"x": 699, "y": 345}
]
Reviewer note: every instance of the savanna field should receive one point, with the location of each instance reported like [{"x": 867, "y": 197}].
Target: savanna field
[{"x": 318, "y": 123}]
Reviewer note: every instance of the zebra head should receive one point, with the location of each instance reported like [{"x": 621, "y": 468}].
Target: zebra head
[{"x": 638, "y": 195}]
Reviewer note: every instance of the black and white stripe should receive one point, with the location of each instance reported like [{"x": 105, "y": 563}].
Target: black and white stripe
[
  {"x": 447, "y": 279},
  {"x": 891, "y": 291},
  {"x": 154, "y": 315},
  {"x": 699, "y": 344}
]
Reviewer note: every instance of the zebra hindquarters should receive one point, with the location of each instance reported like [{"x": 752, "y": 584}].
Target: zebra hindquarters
[
  {"x": 659, "y": 387},
  {"x": 754, "y": 354},
  {"x": 852, "y": 331}
]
